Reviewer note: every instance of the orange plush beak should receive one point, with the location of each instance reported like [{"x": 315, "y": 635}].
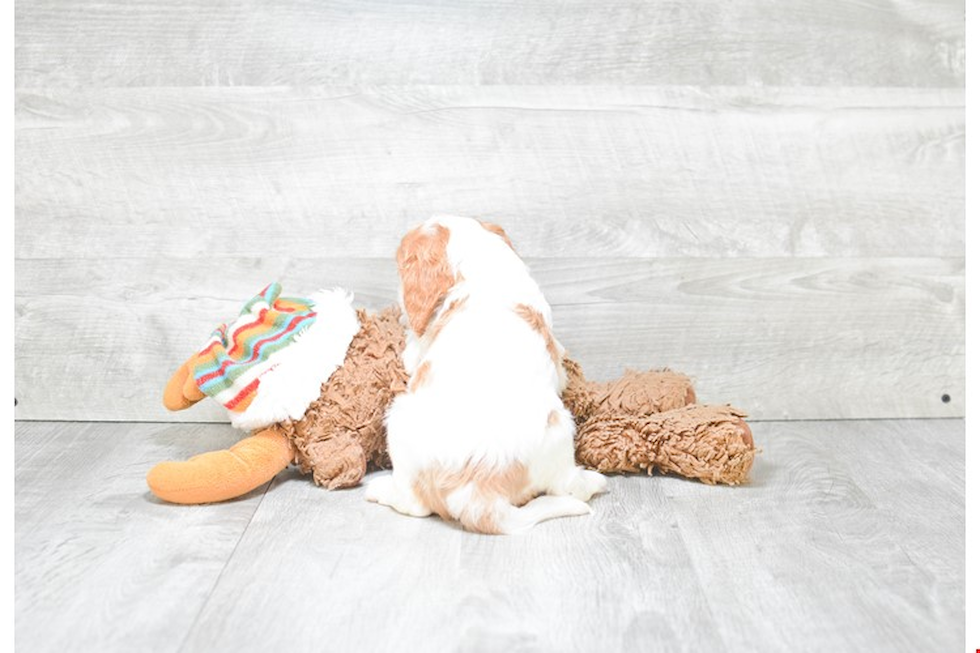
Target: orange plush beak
[{"x": 181, "y": 391}]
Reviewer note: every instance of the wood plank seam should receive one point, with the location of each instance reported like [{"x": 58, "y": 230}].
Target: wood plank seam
[{"x": 217, "y": 581}]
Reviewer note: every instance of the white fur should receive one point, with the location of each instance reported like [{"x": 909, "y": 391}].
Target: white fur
[
  {"x": 293, "y": 379},
  {"x": 490, "y": 389}
]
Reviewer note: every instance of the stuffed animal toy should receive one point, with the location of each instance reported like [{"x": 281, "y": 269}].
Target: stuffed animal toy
[{"x": 311, "y": 380}]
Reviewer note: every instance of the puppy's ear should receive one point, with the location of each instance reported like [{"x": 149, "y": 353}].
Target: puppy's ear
[
  {"x": 425, "y": 273},
  {"x": 497, "y": 229}
]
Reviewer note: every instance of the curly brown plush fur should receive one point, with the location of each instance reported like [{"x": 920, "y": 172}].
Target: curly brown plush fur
[
  {"x": 638, "y": 423},
  {"x": 646, "y": 421},
  {"x": 342, "y": 432}
]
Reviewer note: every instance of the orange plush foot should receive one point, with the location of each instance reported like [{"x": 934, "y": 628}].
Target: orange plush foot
[{"x": 222, "y": 475}]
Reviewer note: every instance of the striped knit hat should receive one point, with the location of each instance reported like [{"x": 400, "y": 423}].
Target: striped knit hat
[{"x": 268, "y": 364}]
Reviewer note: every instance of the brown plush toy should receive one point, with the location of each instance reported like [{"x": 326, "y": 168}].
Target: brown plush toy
[{"x": 312, "y": 380}]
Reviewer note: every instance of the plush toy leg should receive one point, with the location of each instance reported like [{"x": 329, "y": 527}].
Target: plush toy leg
[
  {"x": 635, "y": 393},
  {"x": 709, "y": 443},
  {"x": 222, "y": 475},
  {"x": 645, "y": 392},
  {"x": 336, "y": 463},
  {"x": 181, "y": 391}
]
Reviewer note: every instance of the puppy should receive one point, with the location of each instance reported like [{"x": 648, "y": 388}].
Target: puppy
[{"x": 481, "y": 430}]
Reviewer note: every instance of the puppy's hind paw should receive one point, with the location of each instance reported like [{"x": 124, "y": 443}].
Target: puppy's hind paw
[
  {"x": 385, "y": 491},
  {"x": 379, "y": 490},
  {"x": 585, "y": 484}
]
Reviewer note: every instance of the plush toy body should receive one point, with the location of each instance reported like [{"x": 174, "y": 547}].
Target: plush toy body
[{"x": 313, "y": 378}]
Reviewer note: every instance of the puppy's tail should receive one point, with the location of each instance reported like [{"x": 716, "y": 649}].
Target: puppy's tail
[{"x": 507, "y": 519}]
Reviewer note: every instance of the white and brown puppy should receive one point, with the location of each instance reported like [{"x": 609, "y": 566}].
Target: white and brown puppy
[{"x": 481, "y": 430}]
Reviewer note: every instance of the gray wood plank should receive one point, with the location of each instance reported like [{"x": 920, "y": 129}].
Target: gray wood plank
[
  {"x": 367, "y": 579},
  {"x": 825, "y": 550},
  {"x": 905, "y": 478},
  {"x": 569, "y": 171},
  {"x": 100, "y": 564},
  {"x": 849, "y": 538},
  {"x": 302, "y": 42},
  {"x": 781, "y": 338}
]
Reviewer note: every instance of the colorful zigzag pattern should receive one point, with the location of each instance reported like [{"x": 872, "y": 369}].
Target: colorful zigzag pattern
[{"x": 230, "y": 366}]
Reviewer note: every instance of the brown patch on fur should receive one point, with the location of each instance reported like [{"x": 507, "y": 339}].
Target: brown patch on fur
[
  {"x": 425, "y": 273},
  {"x": 536, "y": 320},
  {"x": 511, "y": 483},
  {"x": 454, "y": 307},
  {"x": 497, "y": 229},
  {"x": 420, "y": 377},
  {"x": 553, "y": 418}
]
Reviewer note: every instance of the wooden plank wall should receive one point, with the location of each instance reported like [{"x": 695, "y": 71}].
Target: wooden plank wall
[{"x": 766, "y": 195}]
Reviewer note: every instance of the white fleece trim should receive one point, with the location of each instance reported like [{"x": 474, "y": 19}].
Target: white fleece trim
[{"x": 293, "y": 381}]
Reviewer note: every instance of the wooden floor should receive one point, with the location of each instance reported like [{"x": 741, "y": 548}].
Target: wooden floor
[{"x": 850, "y": 537}]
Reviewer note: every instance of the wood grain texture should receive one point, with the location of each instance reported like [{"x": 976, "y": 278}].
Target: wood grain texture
[
  {"x": 101, "y": 565},
  {"x": 860, "y": 531},
  {"x": 781, "y": 338},
  {"x": 569, "y": 171},
  {"x": 568, "y": 586},
  {"x": 305, "y": 42},
  {"x": 849, "y": 537}
]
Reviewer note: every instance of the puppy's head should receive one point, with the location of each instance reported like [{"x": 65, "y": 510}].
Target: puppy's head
[{"x": 436, "y": 255}]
